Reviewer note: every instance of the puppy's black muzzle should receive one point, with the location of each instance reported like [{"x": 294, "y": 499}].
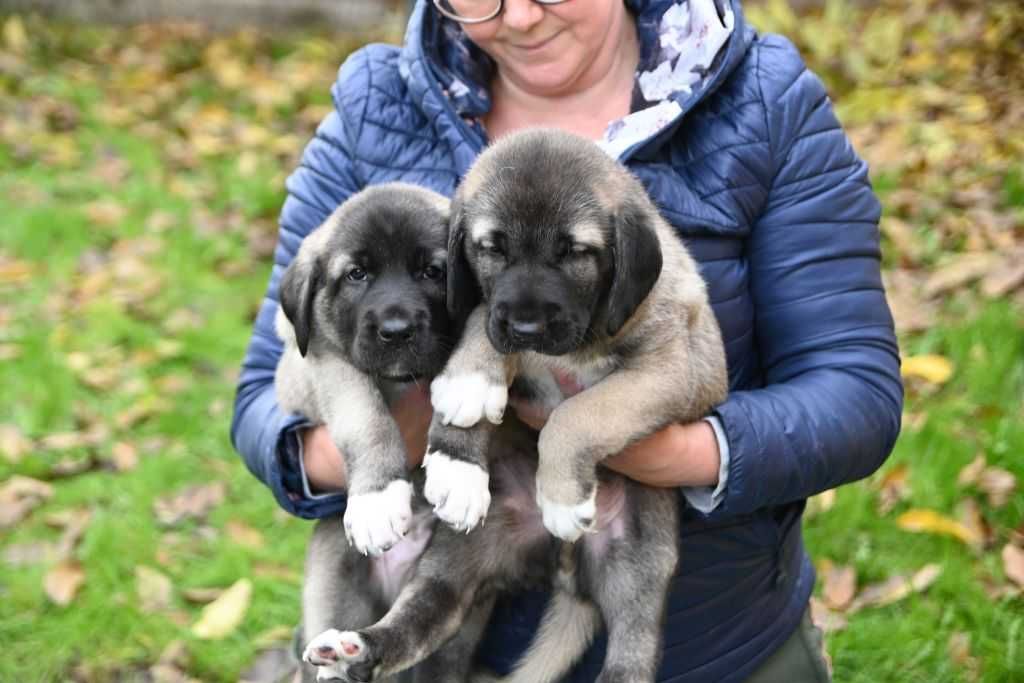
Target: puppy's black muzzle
[{"x": 533, "y": 312}]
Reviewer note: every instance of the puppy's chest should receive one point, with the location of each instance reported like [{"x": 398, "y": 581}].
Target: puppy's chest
[{"x": 544, "y": 382}]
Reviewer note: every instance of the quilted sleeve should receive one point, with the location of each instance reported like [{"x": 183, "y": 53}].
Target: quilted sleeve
[
  {"x": 830, "y": 410},
  {"x": 265, "y": 436}
]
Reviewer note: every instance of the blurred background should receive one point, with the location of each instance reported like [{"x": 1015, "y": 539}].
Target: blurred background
[{"x": 141, "y": 174}]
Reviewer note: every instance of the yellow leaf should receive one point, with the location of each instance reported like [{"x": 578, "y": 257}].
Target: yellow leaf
[
  {"x": 929, "y": 367},
  {"x": 15, "y": 35},
  {"x": 63, "y": 581},
  {"x": 222, "y": 616},
  {"x": 931, "y": 522}
]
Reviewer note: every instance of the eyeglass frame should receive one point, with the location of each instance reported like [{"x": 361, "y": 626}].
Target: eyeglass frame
[{"x": 497, "y": 10}]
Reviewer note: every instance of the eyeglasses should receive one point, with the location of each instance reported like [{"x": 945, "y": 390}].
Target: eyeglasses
[{"x": 477, "y": 11}]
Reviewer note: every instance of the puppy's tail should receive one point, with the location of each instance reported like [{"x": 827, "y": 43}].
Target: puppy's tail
[{"x": 567, "y": 629}]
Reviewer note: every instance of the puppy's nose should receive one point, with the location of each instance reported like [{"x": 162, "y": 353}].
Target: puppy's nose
[{"x": 396, "y": 330}]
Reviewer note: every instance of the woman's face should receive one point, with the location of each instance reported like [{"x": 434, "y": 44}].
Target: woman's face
[{"x": 550, "y": 49}]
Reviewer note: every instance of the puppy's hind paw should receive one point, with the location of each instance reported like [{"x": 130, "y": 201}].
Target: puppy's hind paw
[
  {"x": 464, "y": 400},
  {"x": 458, "y": 490},
  {"x": 568, "y": 522},
  {"x": 376, "y": 521},
  {"x": 340, "y": 655}
]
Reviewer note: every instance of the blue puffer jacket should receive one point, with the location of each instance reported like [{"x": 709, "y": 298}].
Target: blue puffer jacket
[{"x": 762, "y": 185}]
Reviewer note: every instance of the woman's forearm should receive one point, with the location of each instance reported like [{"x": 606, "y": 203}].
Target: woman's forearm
[{"x": 678, "y": 455}]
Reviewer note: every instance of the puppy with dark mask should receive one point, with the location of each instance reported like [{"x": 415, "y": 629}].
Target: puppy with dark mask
[
  {"x": 583, "y": 300},
  {"x": 362, "y": 315}
]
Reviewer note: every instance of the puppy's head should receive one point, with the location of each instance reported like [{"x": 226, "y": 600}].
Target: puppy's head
[
  {"x": 369, "y": 283},
  {"x": 559, "y": 239}
]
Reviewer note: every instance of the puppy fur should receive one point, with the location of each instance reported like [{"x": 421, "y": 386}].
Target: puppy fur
[{"x": 583, "y": 301}]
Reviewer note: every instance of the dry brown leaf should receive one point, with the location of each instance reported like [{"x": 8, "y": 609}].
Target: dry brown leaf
[
  {"x": 895, "y": 588},
  {"x": 825, "y": 619},
  {"x": 154, "y": 589},
  {"x": 929, "y": 367},
  {"x": 1013, "y": 563},
  {"x": 932, "y": 522},
  {"x": 13, "y": 444},
  {"x": 902, "y": 237},
  {"x": 222, "y": 616},
  {"x": 1004, "y": 279},
  {"x": 276, "y": 635},
  {"x": 32, "y": 552},
  {"x": 969, "y": 514},
  {"x": 19, "y": 496},
  {"x": 190, "y": 503},
  {"x": 63, "y": 581},
  {"x": 998, "y": 484},
  {"x": 970, "y": 474},
  {"x": 106, "y": 212},
  {"x": 964, "y": 268},
  {"x": 125, "y": 456},
  {"x": 280, "y": 572},
  {"x": 924, "y": 577},
  {"x": 820, "y": 503},
  {"x": 840, "y": 585},
  {"x": 893, "y": 488},
  {"x": 15, "y": 272},
  {"x": 959, "y": 648},
  {"x": 244, "y": 535}
]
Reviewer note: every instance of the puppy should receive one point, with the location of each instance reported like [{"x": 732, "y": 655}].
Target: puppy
[{"x": 585, "y": 302}]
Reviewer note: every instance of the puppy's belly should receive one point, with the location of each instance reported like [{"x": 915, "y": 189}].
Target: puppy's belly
[{"x": 390, "y": 571}]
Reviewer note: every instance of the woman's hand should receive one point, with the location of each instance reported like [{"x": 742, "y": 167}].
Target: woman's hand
[
  {"x": 325, "y": 467},
  {"x": 678, "y": 455}
]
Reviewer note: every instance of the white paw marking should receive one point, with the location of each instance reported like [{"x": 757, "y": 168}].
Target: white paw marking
[
  {"x": 458, "y": 491},
  {"x": 464, "y": 400},
  {"x": 568, "y": 522},
  {"x": 332, "y": 651},
  {"x": 376, "y": 521}
]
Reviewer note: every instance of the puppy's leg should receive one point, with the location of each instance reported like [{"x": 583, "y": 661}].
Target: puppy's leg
[
  {"x": 624, "y": 407},
  {"x": 627, "y": 570},
  {"x": 473, "y": 386},
  {"x": 429, "y": 610},
  {"x": 379, "y": 507},
  {"x": 334, "y": 594},
  {"x": 453, "y": 663}
]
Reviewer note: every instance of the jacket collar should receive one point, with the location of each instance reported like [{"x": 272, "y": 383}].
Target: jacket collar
[{"x": 687, "y": 49}]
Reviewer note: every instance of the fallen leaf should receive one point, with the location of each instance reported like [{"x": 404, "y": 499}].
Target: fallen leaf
[
  {"x": 820, "y": 503},
  {"x": 244, "y": 535},
  {"x": 1002, "y": 280},
  {"x": 125, "y": 456},
  {"x": 929, "y": 367},
  {"x": 32, "y": 552},
  {"x": 192, "y": 502},
  {"x": 969, "y": 514},
  {"x": 202, "y": 595},
  {"x": 893, "y": 489},
  {"x": 222, "y": 616},
  {"x": 153, "y": 589},
  {"x": 902, "y": 237},
  {"x": 964, "y": 269},
  {"x": 825, "y": 619},
  {"x": 895, "y": 588},
  {"x": 970, "y": 474},
  {"x": 840, "y": 585},
  {"x": 63, "y": 581},
  {"x": 998, "y": 484},
  {"x": 19, "y": 496},
  {"x": 105, "y": 212},
  {"x": 931, "y": 522},
  {"x": 959, "y": 648},
  {"x": 13, "y": 444},
  {"x": 1013, "y": 563},
  {"x": 276, "y": 635}
]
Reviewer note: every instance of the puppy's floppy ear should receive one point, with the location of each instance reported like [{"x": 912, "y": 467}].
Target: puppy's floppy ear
[
  {"x": 463, "y": 293},
  {"x": 637, "y": 263},
  {"x": 299, "y": 285}
]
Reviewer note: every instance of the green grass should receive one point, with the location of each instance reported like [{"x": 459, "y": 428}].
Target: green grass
[{"x": 170, "y": 334}]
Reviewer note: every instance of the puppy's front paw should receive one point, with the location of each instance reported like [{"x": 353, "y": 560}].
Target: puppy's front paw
[
  {"x": 568, "y": 521},
  {"x": 340, "y": 655},
  {"x": 464, "y": 400},
  {"x": 376, "y": 521},
  {"x": 458, "y": 490}
]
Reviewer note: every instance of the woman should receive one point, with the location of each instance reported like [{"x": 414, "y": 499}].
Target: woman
[{"x": 738, "y": 145}]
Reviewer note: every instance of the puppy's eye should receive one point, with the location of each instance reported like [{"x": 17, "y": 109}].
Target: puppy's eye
[
  {"x": 432, "y": 273},
  {"x": 357, "y": 274},
  {"x": 492, "y": 248}
]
